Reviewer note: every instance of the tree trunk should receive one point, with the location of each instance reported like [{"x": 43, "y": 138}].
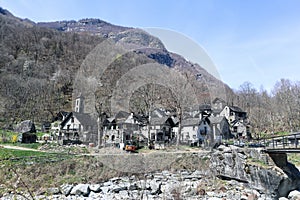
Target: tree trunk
[
  {"x": 100, "y": 132},
  {"x": 178, "y": 134},
  {"x": 179, "y": 127}
]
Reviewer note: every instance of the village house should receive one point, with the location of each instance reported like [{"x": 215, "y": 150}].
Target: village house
[
  {"x": 189, "y": 129},
  {"x": 56, "y": 121},
  {"x": 237, "y": 119},
  {"x": 233, "y": 113},
  {"x": 121, "y": 128},
  {"x": 240, "y": 129},
  {"x": 78, "y": 126},
  {"x": 218, "y": 105},
  {"x": 220, "y": 127},
  {"x": 213, "y": 130}
]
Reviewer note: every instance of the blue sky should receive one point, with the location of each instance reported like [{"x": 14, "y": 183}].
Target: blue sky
[{"x": 248, "y": 40}]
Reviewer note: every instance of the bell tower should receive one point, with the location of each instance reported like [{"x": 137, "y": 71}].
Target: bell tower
[{"x": 79, "y": 104}]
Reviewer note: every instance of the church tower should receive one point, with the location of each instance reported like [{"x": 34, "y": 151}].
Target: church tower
[{"x": 79, "y": 104}]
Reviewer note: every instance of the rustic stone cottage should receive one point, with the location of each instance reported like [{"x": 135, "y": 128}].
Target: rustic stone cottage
[
  {"x": 189, "y": 129},
  {"x": 78, "y": 126},
  {"x": 213, "y": 130},
  {"x": 121, "y": 128}
]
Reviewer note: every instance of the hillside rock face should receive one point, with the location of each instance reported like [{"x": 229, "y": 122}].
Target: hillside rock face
[
  {"x": 256, "y": 169},
  {"x": 143, "y": 43}
]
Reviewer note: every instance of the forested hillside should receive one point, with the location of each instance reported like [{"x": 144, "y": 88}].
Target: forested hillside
[{"x": 37, "y": 66}]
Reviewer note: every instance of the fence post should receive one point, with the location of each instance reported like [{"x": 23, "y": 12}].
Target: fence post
[{"x": 283, "y": 141}]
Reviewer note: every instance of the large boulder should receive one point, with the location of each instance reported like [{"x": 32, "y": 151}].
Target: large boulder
[
  {"x": 255, "y": 168},
  {"x": 26, "y": 130},
  {"x": 26, "y": 126}
]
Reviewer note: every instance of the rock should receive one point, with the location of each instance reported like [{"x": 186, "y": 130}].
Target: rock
[
  {"x": 283, "y": 198},
  {"x": 115, "y": 180},
  {"x": 53, "y": 191},
  {"x": 81, "y": 190},
  {"x": 108, "y": 183},
  {"x": 26, "y": 126},
  {"x": 66, "y": 189},
  {"x": 124, "y": 194},
  {"x": 224, "y": 148},
  {"x": 119, "y": 188},
  {"x": 133, "y": 186},
  {"x": 105, "y": 189},
  {"x": 94, "y": 195},
  {"x": 155, "y": 187},
  {"x": 95, "y": 187},
  {"x": 294, "y": 195}
]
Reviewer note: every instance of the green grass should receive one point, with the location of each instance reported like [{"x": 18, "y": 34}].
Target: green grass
[
  {"x": 10, "y": 153},
  {"x": 30, "y": 145},
  {"x": 294, "y": 158}
]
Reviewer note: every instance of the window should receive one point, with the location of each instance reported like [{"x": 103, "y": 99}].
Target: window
[
  {"x": 72, "y": 119},
  {"x": 235, "y": 129}
]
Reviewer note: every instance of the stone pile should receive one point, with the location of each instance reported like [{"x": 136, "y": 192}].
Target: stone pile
[{"x": 162, "y": 185}]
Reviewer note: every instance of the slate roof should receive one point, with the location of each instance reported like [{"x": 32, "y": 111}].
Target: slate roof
[
  {"x": 158, "y": 120},
  {"x": 216, "y": 120},
  {"x": 218, "y": 99},
  {"x": 158, "y": 113},
  {"x": 205, "y": 107},
  {"x": 190, "y": 122},
  {"x": 84, "y": 118},
  {"x": 122, "y": 115},
  {"x": 236, "y": 109}
]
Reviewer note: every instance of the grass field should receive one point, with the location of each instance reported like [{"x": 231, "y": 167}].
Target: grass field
[
  {"x": 5, "y": 153},
  {"x": 30, "y": 146}
]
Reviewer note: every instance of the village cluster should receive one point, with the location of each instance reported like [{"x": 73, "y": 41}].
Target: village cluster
[{"x": 205, "y": 125}]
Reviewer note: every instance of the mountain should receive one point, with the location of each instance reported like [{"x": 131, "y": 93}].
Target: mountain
[{"x": 40, "y": 61}]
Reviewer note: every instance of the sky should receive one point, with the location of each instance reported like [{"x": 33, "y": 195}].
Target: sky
[{"x": 247, "y": 40}]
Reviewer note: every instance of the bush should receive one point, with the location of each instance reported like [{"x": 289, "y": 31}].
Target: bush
[{"x": 14, "y": 138}]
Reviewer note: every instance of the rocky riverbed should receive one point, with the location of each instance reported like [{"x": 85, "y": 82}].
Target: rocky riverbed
[{"x": 225, "y": 173}]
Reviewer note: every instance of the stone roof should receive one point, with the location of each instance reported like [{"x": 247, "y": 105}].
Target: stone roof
[
  {"x": 216, "y": 120},
  {"x": 190, "y": 122},
  {"x": 236, "y": 109},
  {"x": 158, "y": 120},
  {"x": 84, "y": 119}
]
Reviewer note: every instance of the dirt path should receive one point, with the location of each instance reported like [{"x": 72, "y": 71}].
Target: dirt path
[{"x": 18, "y": 148}]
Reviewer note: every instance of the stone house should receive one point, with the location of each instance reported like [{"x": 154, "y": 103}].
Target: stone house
[
  {"x": 78, "y": 127},
  {"x": 240, "y": 129},
  {"x": 233, "y": 113},
  {"x": 213, "y": 130},
  {"x": 160, "y": 129},
  {"x": 220, "y": 127},
  {"x": 218, "y": 105},
  {"x": 121, "y": 128},
  {"x": 189, "y": 129}
]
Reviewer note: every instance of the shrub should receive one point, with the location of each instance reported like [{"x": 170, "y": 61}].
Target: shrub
[{"x": 14, "y": 138}]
